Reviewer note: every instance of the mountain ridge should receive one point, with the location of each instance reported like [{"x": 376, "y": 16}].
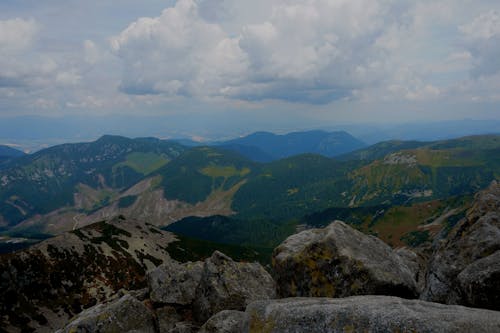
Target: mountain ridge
[{"x": 274, "y": 146}]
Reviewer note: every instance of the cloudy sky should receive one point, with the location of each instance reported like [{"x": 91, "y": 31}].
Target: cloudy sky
[{"x": 299, "y": 63}]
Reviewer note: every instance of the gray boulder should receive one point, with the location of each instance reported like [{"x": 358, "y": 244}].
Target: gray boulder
[
  {"x": 338, "y": 261},
  {"x": 126, "y": 314},
  {"x": 367, "y": 314},
  {"x": 227, "y": 321},
  {"x": 229, "y": 285},
  {"x": 417, "y": 263},
  {"x": 174, "y": 283},
  {"x": 480, "y": 283},
  {"x": 461, "y": 266}
]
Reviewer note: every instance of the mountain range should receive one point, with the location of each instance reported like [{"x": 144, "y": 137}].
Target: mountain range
[{"x": 162, "y": 182}]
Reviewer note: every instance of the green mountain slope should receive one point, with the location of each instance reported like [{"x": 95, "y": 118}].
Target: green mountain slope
[
  {"x": 202, "y": 170},
  {"x": 292, "y": 187},
  {"x": 49, "y": 179},
  {"x": 379, "y": 150},
  {"x": 435, "y": 170}
]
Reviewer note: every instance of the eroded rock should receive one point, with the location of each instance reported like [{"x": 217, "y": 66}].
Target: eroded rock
[{"x": 338, "y": 261}]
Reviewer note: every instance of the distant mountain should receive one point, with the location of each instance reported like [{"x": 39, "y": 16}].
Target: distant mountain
[
  {"x": 267, "y": 146},
  {"x": 8, "y": 152}
]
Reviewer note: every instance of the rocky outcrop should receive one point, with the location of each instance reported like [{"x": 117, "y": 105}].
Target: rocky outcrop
[
  {"x": 465, "y": 266},
  {"x": 45, "y": 285},
  {"x": 181, "y": 297},
  {"x": 229, "y": 285},
  {"x": 338, "y": 261},
  {"x": 186, "y": 295},
  {"x": 126, "y": 314},
  {"x": 366, "y": 314}
]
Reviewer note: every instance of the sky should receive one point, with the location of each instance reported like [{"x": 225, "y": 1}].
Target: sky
[{"x": 261, "y": 63}]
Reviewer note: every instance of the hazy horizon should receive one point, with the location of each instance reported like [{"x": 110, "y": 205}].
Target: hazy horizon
[{"x": 32, "y": 133}]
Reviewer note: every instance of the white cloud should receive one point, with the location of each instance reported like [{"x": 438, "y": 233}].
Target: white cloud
[
  {"x": 167, "y": 54},
  {"x": 16, "y": 34},
  {"x": 482, "y": 40},
  {"x": 484, "y": 26},
  {"x": 314, "y": 51},
  {"x": 68, "y": 78},
  {"x": 91, "y": 52}
]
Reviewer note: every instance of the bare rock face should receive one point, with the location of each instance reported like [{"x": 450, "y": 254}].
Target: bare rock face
[
  {"x": 338, "y": 261},
  {"x": 480, "y": 282},
  {"x": 465, "y": 267},
  {"x": 229, "y": 285},
  {"x": 227, "y": 321},
  {"x": 126, "y": 314},
  {"x": 367, "y": 314},
  {"x": 174, "y": 283}
]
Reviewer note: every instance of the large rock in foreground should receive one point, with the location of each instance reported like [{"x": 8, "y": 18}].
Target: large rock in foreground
[
  {"x": 338, "y": 261},
  {"x": 126, "y": 314},
  {"x": 465, "y": 268},
  {"x": 229, "y": 285},
  {"x": 366, "y": 314}
]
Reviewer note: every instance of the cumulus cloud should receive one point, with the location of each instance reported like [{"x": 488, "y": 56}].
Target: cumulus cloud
[
  {"x": 167, "y": 54},
  {"x": 314, "y": 51}
]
